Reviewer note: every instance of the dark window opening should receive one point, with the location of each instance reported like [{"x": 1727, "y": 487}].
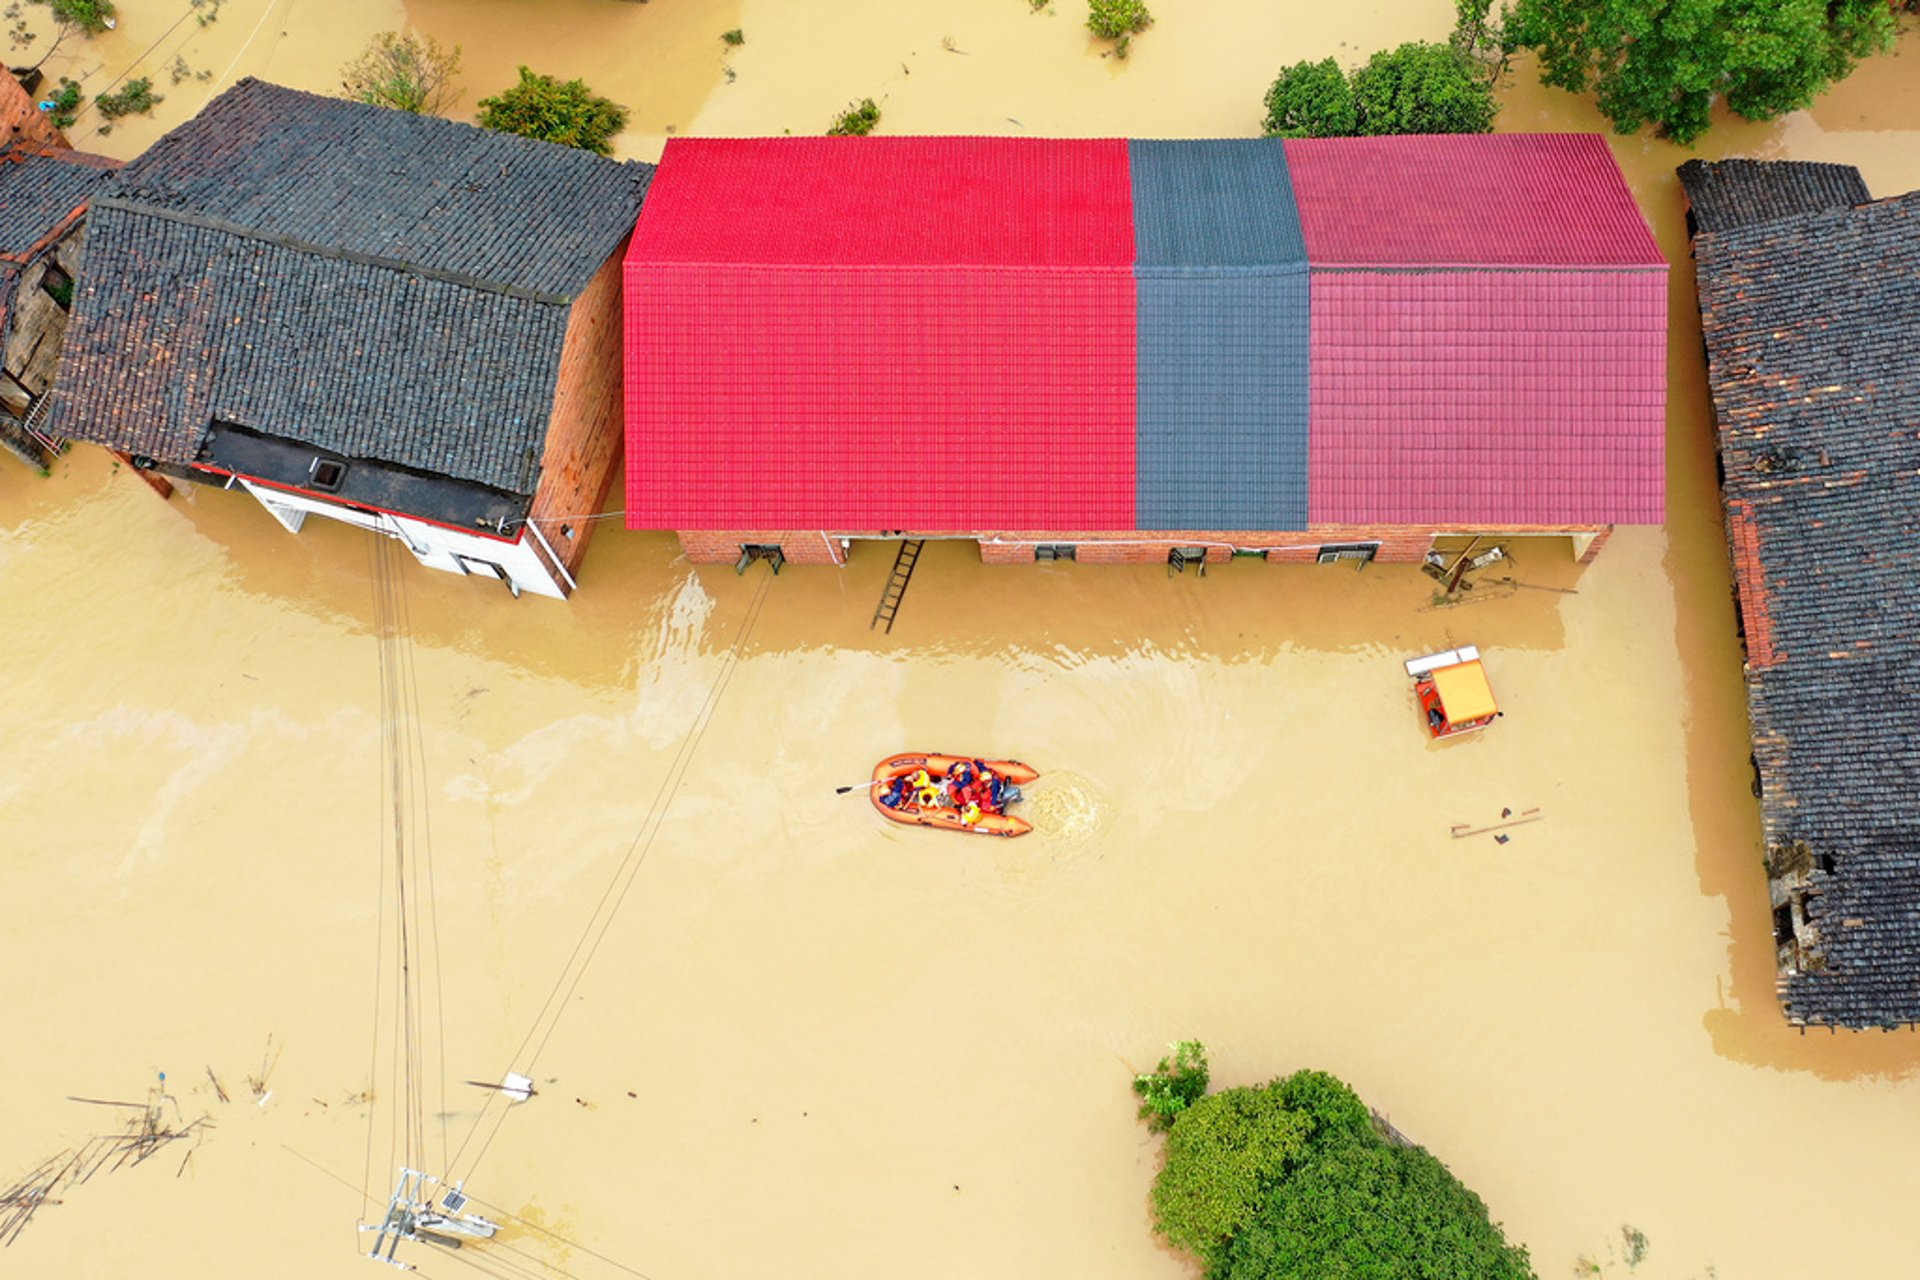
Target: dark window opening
[
  {"x": 1826, "y": 862},
  {"x": 58, "y": 285},
  {"x": 1358, "y": 552},
  {"x": 1783, "y": 923},
  {"x": 326, "y": 474},
  {"x": 751, "y": 551},
  {"x": 1056, "y": 551},
  {"x": 1178, "y": 558}
]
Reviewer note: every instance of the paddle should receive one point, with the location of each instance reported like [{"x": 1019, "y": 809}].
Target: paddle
[{"x": 840, "y": 791}]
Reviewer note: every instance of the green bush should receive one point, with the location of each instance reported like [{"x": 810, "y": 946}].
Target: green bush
[
  {"x": 856, "y": 121},
  {"x": 136, "y": 97},
  {"x": 551, "y": 110},
  {"x": 65, "y": 103},
  {"x": 1224, "y": 1154},
  {"x": 90, "y": 16},
  {"x": 1372, "y": 1211},
  {"x": 1422, "y": 88},
  {"x": 1118, "y": 21},
  {"x": 1174, "y": 1085},
  {"x": 408, "y": 73},
  {"x": 1310, "y": 100},
  {"x": 733, "y": 38}
]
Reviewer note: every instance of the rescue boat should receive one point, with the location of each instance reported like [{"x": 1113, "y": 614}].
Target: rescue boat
[
  {"x": 992, "y": 822},
  {"x": 1454, "y": 695}
]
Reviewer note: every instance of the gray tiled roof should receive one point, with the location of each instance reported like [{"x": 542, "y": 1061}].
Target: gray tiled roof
[
  {"x": 1810, "y": 323},
  {"x": 39, "y": 190},
  {"x": 376, "y": 284},
  {"x": 352, "y": 180},
  {"x": 1724, "y": 194},
  {"x": 1221, "y": 434}
]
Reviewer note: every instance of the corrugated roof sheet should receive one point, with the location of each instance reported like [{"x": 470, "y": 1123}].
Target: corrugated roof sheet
[
  {"x": 1484, "y": 397},
  {"x": 347, "y": 179},
  {"x": 1474, "y": 200},
  {"x": 1809, "y": 323},
  {"x": 1724, "y": 194},
  {"x": 875, "y": 202},
  {"x": 42, "y": 190},
  {"x": 884, "y": 397},
  {"x": 1213, "y": 203}
]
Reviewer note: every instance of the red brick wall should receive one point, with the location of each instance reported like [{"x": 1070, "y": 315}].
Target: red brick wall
[
  {"x": 583, "y": 437},
  {"x": 21, "y": 120},
  {"x": 1399, "y": 544}
]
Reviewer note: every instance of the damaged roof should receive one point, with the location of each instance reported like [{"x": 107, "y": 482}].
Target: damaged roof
[{"x": 1809, "y": 322}]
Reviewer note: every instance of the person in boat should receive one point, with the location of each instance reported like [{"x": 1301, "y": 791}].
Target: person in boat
[
  {"x": 926, "y": 793},
  {"x": 970, "y": 813},
  {"x": 992, "y": 783},
  {"x": 896, "y": 792}
]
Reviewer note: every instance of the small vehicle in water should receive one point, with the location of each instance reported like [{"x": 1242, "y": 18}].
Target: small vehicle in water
[
  {"x": 1454, "y": 694},
  {"x": 913, "y": 784}
]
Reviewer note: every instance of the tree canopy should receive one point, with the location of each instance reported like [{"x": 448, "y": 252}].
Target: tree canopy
[
  {"x": 567, "y": 112},
  {"x": 1292, "y": 1180},
  {"x": 1371, "y": 1211},
  {"x": 406, "y": 72},
  {"x": 1665, "y": 62},
  {"x": 1415, "y": 88}
]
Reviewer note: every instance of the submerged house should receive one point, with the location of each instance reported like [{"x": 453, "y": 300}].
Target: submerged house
[
  {"x": 1810, "y": 303},
  {"x": 396, "y": 321},
  {"x": 44, "y": 189},
  {"x": 1142, "y": 351}
]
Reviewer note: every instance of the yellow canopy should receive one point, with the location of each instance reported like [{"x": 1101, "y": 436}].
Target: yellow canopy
[{"x": 1464, "y": 692}]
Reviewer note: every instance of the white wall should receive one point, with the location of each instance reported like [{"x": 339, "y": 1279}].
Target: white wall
[{"x": 433, "y": 545}]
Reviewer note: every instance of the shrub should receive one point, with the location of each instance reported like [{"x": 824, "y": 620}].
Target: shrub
[
  {"x": 568, "y": 113},
  {"x": 1111, "y": 19},
  {"x": 408, "y": 73},
  {"x": 734, "y": 37},
  {"x": 1224, "y": 1155},
  {"x": 856, "y": 121},
  {"x": 136, "y": 97},
  {"x": 1422, "y": 88},
  {"x": 1376, "y": 1211},
  {"x": 1310, "y": 100},
  {"x": 63, "y": 105},
  {"x": 1174, "y": 1085}
]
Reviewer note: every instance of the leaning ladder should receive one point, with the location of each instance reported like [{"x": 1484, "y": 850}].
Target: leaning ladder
[{"x": 897, "y": 584}]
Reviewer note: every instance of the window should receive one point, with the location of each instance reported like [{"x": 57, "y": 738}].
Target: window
[
  {"x": 58, "y": 285},
  {"x": 326, "y": 474},
  {"x": 1056, "y": 551},
  {"x": 1358, "y": 552},
  {"x": 751, "y": 551}
]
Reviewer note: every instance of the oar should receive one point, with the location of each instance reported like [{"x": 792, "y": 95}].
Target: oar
[{"x": 840, "y": 791}]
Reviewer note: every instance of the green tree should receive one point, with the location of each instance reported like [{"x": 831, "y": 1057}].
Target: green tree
[
  {"x": 1118, "y": 21},
  {"x": 1422, "y": 88},
  {"x": 70, "y": 17},
  {"x": 1369, "y": 1211},
  {"x": 1225, "y": 1153},
  {"x": 1174, "y": 1085},
  {"x": 405, "y": 72},
  {"x": 1665, "y": 62},
  {"x": 856, "y": 121},
  {"x": 1310, "y": 100},
  {"x": 1332, "y": 1110},
  {"x": 566, "y": 112}
]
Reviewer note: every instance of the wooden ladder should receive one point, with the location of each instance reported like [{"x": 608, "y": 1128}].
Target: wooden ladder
[{"x": 896, "y": 591}]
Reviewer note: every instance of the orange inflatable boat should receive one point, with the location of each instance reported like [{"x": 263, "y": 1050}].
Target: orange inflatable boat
[{"x": 919, "y": 807}]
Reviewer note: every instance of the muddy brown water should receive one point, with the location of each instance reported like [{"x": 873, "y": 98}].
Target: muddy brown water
[{"x": 812, "y": 1043}]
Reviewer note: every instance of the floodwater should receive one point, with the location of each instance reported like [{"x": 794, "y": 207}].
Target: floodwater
[{"x": 811, "y": 1043}]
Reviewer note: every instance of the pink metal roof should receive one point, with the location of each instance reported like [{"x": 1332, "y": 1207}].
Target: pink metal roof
[
  {"x": 1474, "y": 397},
  {"x": 1474, "y": 200},
  {"x": 869, "y": 202}
]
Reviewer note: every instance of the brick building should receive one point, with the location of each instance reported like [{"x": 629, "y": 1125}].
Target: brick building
[
  {"x": 1142, "y": 351},
  {"x": 1810, "y": 303},
  {"x": 44, "y": 189},
  {"x": 396, "y": 321}
]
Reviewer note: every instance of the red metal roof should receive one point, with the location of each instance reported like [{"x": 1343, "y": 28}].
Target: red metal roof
[
  {"x": 1488, "y": 397},
  {"x": 1475, "y": 200},
  {"x": 869, "y": 202}
]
